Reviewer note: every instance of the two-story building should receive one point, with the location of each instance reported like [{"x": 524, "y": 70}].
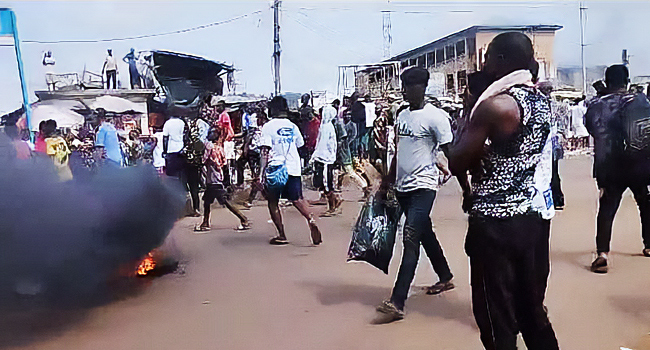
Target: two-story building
[{"x": 451, "y": 58}]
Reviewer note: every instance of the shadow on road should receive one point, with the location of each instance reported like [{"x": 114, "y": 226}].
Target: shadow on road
[
  {"x": 26, "y": 320},
  {"x": 243, "y": 239},
  {"x": 447, "y": 305},
  {"x": 635, "y": 306}
]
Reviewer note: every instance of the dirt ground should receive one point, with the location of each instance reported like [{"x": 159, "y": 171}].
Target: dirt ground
[{"x": 235, "y": 291}]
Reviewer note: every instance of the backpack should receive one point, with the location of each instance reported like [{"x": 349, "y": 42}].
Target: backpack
[{"x": 635, "y": 117}]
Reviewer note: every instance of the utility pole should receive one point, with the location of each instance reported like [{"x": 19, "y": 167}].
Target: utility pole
[
  {"x": 276, "y": 46},
  {"x": 582, "y": 49},
  {"x": 388, "y": 39}
]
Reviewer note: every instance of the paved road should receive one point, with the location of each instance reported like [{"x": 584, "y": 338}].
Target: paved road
[{"x": 238, "y": 292}]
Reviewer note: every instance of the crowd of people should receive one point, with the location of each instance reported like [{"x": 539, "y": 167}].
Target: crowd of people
[{"x": 503, "y": 147}]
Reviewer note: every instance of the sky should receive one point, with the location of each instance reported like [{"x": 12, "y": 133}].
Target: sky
[{"x": 316, "y": 36}]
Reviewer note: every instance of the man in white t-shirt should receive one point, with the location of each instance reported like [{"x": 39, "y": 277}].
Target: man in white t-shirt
[
  {"x": 279, "y": 155},
  {"x": 173, "y": 131},
  {"x": 110, "y": 67},
  {"x": 158, "y": 160},
  {"x": 371, "y": 115},
  {"x": 324, "y": 157},
  {"x": 420, "y": 129}
]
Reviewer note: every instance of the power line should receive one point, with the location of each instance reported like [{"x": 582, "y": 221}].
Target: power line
[
  {"x": 323, "y": 36},
  {"x": 146, "y": 35},
  {"x": 335, "y": 32}
]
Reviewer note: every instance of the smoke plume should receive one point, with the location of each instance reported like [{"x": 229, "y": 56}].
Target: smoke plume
[{"x": 67, "y": 240}]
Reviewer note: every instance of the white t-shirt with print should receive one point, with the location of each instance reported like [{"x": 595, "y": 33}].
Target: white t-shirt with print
[
  {"x": 284, "y": 139},
  {"x": 419, "y": 133}
]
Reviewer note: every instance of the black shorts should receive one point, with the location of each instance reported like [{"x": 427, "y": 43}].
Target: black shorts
[
  {"x": 174, "y": 164},
  {"x": 323, "y": 176},
  {"x": 292, "y": 190},
  {"x": 214, "y": 191}
]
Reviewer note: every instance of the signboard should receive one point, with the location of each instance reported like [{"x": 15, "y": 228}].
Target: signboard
[
  {"x": 8, "y": 28},
  {"x": 6, "y": 22}
]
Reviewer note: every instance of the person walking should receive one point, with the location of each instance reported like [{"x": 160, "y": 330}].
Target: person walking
[
  {"x": 193, "y": 150},
  {"x": 324, "y": 157},
  {"x": 106, "y": 141},
  {"x": 421, "y": 128},
  {"x": 507, "y": 141},
  {"x": 172, "y": 135},
  {"x": 280, "y": 169},
  {"x": 214, "y": 159},
  {"x": 254, "y": 158},
  {"x": 618, "y": 164}
]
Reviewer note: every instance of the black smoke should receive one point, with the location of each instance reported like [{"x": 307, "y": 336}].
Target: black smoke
[{"x": 66, "y": 241}]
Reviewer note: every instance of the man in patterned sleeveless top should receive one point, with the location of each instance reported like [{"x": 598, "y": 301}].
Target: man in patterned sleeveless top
[{"x": 506, "y": 147}]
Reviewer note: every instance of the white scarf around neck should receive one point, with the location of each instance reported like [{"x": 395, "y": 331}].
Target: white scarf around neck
[{"x": 518, "y": 77}]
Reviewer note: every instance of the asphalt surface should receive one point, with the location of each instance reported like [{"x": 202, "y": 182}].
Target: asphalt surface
[{"x": 235, "y": 291}]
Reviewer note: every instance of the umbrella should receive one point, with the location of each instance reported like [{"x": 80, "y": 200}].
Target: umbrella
[
  {"x": 115, "y": 104},
  {"x": 64, "y": 117}
]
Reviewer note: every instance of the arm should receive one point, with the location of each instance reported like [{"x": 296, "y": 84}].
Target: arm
[
  {"x": 589, "y": 120},
  {"x": 165, "y": 144},
  {"x": 104, "y": 68},
  {"x": 264, "y": 161},
  {"x": 497, "y": 119}
]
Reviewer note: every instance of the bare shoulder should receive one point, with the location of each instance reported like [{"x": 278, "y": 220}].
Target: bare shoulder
[{"x": 501, "y": 113}]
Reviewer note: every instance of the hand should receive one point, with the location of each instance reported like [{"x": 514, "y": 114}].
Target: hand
[
  {"x": 446, "y": 178},
  {"x": 382, "y": 192}
]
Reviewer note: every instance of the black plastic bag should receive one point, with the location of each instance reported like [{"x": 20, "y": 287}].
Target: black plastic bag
[{"x": 373, "y": 235}]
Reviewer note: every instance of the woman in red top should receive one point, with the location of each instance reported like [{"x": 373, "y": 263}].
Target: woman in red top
[{"x": 40, "y": 145}]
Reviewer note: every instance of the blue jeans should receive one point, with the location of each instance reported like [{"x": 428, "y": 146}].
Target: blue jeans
[{"x": 417, "y": 205}]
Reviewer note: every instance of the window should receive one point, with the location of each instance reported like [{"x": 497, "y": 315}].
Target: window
[
  {"x": 440, "y": 56},
  {"x": 372, "y": 78},
  {"x": 460, "y": 48},
  {"x": 450, "y": 82},
  {"x": 449, "y": 52},
  {"x": 431, "y": 58},
  {"x": 412, "y": 62},
  {"x": 471, "y": 46},
  {"x": 421, "y": 61},
  {"x": 462, "y": 80}
]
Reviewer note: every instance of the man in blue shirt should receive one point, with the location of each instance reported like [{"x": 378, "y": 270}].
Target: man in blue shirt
[{"x": 107, "y": 140}]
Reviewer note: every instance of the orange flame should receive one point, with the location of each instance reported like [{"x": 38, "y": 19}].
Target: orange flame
[{"x": 147, "y": 264}]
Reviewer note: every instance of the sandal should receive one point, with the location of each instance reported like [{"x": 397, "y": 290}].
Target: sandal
[
  {"x": 243, "y": 226},
  {"x": 201, "y": 228},
  {"x": 278, "y": 241},
  {"x": 326, "y": 214},
  {"x": 316, "y": 237}
]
